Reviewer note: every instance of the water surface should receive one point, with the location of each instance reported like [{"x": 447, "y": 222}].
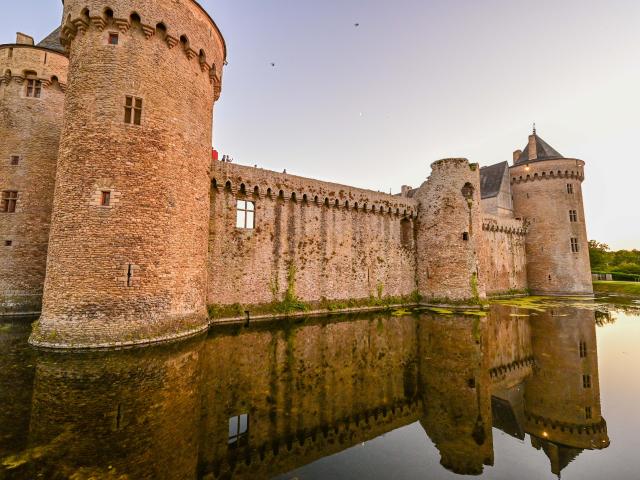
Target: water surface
[{"x": 531, "y": 391}]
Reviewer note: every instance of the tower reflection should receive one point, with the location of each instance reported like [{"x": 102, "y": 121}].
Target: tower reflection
[{"x": 259, "y": 401}]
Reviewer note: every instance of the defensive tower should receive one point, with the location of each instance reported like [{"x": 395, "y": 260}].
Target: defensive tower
[
  {"x": 449, "y": 231},
  {"x": 547, "y": 193},
  {"x": 32, "y": 84},
  {"x": 128, "y": 245}
]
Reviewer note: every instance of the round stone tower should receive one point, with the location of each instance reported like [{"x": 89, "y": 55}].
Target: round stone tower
[
  {"x": 449, "y": 233},
  {"x": 128, "y": 245},
  {"x": 547, "y": 193},
  {"x": 32, "y": 84}
]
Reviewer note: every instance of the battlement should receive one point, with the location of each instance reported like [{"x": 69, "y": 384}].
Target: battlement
[
  {"x": 548, "y": 170},
  {"x": 185, "y": 24},
  {"x": 21, "y": 61},
  {"x": 504, "y": 225},
  {"x": 267, "y": 184}
]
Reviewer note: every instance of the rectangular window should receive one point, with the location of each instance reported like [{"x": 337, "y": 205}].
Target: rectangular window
[
  {"x": 238, "y": 430},
  {"x": 586, "y": 381},
  {"x": 105, "y": 198},
  {"x": 583, "y": 349},
  {"x": 570, "y": 188},
  {"x": 133, "y": 110},
  {"x": 8, "y": 201},
  {"x": 574, "y": 245},
  {"x": 34, "y": 88},
  {"x": 587, "y": 412},
  {"x": 573, "y": 215},
  {"x": 15, "y": 159},
  {"x": 245, "y": 214},
  {"x": 8, "y": 243},
  {"x": 113, "y": 39}
]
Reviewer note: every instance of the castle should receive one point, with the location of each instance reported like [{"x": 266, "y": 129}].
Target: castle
[{"x": 118, "y": 227}]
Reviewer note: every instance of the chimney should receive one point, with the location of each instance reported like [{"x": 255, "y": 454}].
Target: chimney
[
  {"x": 22, "y": 39},
  {"x": 516, "y": 155},
  {"x": 533, "y": 153}
]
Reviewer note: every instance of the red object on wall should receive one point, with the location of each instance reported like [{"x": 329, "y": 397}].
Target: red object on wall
[{"x": 214, "y": 154}]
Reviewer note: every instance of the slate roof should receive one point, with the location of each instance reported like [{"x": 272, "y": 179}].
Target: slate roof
[
  {"x": 544, "y": 151},
  {"x": 491, "y": 179},
  {"x": 52, "y": 41}
]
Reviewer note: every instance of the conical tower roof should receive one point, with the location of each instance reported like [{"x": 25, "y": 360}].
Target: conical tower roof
[
  {"x": 543, "y": 151},
  {"x": 52, "y": 41}
]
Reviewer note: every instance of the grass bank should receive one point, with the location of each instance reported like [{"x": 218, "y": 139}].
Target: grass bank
[{"x": 620, "y": 288}]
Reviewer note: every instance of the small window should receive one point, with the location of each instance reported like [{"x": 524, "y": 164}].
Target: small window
[
  {"x": 34, "y": 88},
  {"x": 238, "y": 430},
  {"x": 465, "y": 236},
  {"x": 105, "y": 198},
  {"x": 586, "y": 381},
  {"x": 573, "y": 215},
  {"x": 133, "y": 110},
  {"x": 8, "y": 201},
  {"x": 15, "y": 159},
  {"x": 587, "y": 412},
  {"x": 574, "y": 245},
  {"x": 583, "y": 349},
  {"x": 8, "y": 243},
  {"x": 113, "y": 39},
  {"x": 10, "y": 53},
  {"x": 245, "y": 214},
  {"x": 570, "y": 188}
]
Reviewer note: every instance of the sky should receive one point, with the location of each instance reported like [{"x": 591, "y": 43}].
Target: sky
[{"x": 418, "y": 80}]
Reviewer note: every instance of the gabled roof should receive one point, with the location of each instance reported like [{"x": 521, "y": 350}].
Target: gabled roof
[
  {"x": 52, "y": 41},
  {"x": 491, "y": 179},
  {"x": 544, "y": 151}
]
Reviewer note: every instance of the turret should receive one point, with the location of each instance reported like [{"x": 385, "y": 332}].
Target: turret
[
  {"x": 449, "y": 231},
  {"x": 128, "y": 246},
  {"x": 547, "y": 193},
  {"x": 32, "y": 84}
]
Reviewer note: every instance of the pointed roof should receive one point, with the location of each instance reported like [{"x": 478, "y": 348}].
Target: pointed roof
[
  {"x": 491, "y": 178},
  {"x": 544, "y": 151},
  {"x": 52, "y": 41}
]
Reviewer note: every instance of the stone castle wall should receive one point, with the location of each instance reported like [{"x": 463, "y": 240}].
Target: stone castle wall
[
  {"x": 29, "y": 130},
  {"x": 503, "y": 258},
  {"x": 328, "y": 241},
  {"x": 541, "y": 197},
  {"x": 140, "y": 261}
]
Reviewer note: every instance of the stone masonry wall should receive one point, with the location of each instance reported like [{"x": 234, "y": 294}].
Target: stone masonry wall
[
  {"x": 503, "y": 259},
  {"x": 541, "y": 197},
  {"x": 29, "y": 130},
  {"x": 341, "y": 242},
  {"x": 134, "y": 269},
  {"x": 449, "y": 232}
]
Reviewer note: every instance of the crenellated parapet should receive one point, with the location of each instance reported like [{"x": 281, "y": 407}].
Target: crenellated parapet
[
  {"x": 20, "y": 62},
  {"x": 263, "y": 184},
  {"x": 185, "y": 26},
  {"x": 549, "y": 170}
]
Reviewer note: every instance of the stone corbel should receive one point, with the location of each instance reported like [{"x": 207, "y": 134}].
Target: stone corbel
[
  {"x": 171, "y": 41},
  {"x": 122, "y": 24},
  {"x": 148, "y": 31},
  {"x": 80, "y": 25},
  {"x": 191, "y": 53},
  {"x": 98, "y": 22}
]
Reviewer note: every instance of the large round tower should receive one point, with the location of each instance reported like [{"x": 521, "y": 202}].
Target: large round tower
[
  {"x": 128, "y": 246},
  {"x": 32, "y": 83},
  {"x": 547, "y": 192}
]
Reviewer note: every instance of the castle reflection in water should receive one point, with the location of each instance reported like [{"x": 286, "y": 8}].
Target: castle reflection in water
[{"x": 259, "y": 401}]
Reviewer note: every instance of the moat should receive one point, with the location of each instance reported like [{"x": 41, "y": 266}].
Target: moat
[{"x": 536, "y": 388}]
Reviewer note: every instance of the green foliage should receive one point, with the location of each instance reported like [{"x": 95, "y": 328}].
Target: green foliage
[{"x": 623, "y": 264}]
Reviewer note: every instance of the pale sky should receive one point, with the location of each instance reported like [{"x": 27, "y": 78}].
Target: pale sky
[{"x": 418, "y": 80}]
